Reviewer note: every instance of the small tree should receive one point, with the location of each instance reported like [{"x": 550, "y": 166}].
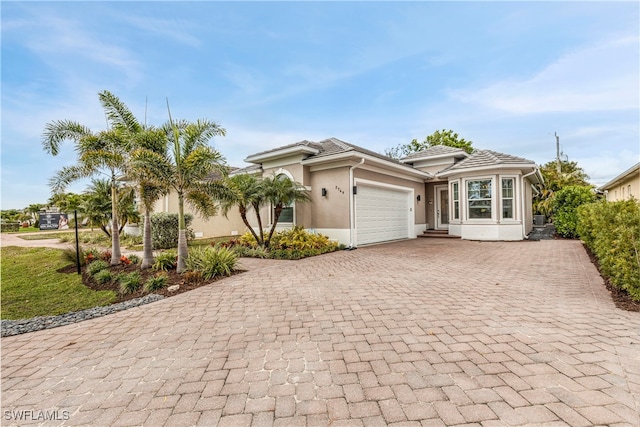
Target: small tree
[
  {"x": 443, "y": 137},
  {"x": 570, "y": 174}
]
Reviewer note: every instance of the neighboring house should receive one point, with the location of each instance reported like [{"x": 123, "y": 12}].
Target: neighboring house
[
  {"x": 360, "y": 197},
  {"x": 624, "y": 186}
]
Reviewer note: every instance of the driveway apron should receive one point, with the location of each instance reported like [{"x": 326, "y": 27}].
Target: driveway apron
[{"x": 418, "y": 332}]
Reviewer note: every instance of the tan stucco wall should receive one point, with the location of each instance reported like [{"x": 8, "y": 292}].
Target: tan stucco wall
[
  {"x": 620, "y": 191},
  {"x": 331, "y": 211},
  {"x": 214, "y": 226}
]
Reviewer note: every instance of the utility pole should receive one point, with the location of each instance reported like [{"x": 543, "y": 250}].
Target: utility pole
[{"x": 558, "y": 168}]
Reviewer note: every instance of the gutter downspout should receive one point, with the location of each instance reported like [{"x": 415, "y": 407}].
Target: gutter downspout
[
  {"x": 524, "y": 235},
  {"x": 352, "y": 211}
]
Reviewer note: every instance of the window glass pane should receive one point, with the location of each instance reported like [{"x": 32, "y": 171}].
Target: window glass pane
[
  {"x": 507, "y": 187},
  {"x": 507, "y": 208},
  {"x": 286, "y": 215},
  {"x": 479, "y": 199},
  {"x": 456, "y": 210}
]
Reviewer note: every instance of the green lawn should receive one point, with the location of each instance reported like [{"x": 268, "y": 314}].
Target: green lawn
[{"x": 32, "y": 287}]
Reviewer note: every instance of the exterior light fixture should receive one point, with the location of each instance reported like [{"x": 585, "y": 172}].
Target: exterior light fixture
[{"x": 324, "y": 192}]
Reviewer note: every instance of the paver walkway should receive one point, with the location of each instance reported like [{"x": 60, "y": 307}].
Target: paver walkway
[{"x": 421, "y": 332}]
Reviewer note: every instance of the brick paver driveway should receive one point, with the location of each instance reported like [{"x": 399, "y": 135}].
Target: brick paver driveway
[{"x": 421, "y": 332}]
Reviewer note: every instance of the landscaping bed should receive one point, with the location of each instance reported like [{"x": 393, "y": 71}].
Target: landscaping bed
[{"x": 173, "y": 278}]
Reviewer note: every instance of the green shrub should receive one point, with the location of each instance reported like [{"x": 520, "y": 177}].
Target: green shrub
[
  {"x": 91, "y": 255},
  {"x": 300, "y": 239},
  {"x": 155, "y": 283},
  {"x": 135, "y": 259},
  {"x": 164, "y": 230},
  {"x": 129, "y": 240},
  {"x": 212, "y": 262},
  {"x": 97, "y": 266},
  {"x": 67, "y": 237},
  {"x": 165, "y": 261},
  {"x": 10, "y": 227},
  {"x": 251, "y": 252},
  {"x": 103, "y": 276},
  {"x": 565, "y": 205},
  {"x": 130, "y": 282},
  {"x": 611, "y": 230}
]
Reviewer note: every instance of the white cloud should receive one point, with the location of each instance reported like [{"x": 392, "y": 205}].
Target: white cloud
[
  {"x": 602, "y": 77},
  {"x": 169, "y": 28}
]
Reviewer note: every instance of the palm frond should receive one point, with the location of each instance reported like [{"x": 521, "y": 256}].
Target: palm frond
[
  {"x": 67, "y": 175},
  {"x": 118, "y": 113},
  {"x": 198, "y": 198},
  {"x": 59, "y": 131}
]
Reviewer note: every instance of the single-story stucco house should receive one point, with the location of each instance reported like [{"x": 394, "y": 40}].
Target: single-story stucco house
[
  {"x": 362, "y": 197},
  {"x": 624, "y": 186}
]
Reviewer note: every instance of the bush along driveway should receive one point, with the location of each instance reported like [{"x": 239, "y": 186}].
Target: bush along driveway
[{"x": 423, "y": 331}]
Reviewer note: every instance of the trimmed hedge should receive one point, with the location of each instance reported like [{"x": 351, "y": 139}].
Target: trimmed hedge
[
  {"x": 10, "y": 227},
  {"x": 565, "y": 205},
  {"x": 611, "y": 230},
  {"x": 164, "y": 229}
]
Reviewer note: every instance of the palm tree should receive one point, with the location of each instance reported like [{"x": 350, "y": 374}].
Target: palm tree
[
  {"x": 103, "y": 152},
  {"x": 33, "y": 210},
  {"x": 153, "y": 140},
  {"x": 245, "y": 191},
  {"x": 281, "y": 191},
  {"x": 184, "y": 166},
  {"x": 97, "y": 205}
]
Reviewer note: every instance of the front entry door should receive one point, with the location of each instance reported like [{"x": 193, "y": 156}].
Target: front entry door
[{"x": 442, "y": 208}]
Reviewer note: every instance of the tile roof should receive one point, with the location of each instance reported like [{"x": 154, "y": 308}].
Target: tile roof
[
  {"x": 436, "y": 150},
  {"x": 485, "y": 158},
  {"x": 246, "y": 169},
  {"x": 329, "y": 147}
]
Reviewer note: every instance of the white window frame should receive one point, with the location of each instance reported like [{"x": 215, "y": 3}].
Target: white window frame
[
  {"x": 455, "y": 214},
  {"x": 492, "y": 179},
  {"x": 513, "y": 198}
]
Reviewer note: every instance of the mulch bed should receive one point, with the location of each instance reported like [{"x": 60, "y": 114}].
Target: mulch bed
[{"x": 173, "y": 278}]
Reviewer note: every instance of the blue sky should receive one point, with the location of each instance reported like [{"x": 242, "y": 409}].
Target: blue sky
[{"x": 506, "y": 75}]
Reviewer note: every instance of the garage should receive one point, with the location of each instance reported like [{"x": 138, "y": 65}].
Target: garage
[{"x": 382, "y": 214}]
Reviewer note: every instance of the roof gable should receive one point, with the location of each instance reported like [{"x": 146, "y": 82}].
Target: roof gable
[
  {"x": 435, "y": 151},
  {"x": 488, "y": 158}
]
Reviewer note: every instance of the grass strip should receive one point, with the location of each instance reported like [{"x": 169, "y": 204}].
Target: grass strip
[{"x": 31, "y": 285}]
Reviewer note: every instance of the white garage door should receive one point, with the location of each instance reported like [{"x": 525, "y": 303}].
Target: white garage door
[{"x": 382, "y": 214}]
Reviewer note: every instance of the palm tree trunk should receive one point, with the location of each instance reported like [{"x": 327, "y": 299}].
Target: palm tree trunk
[
  {"x": 256, "y": 207},
  {"x": 243, "y": 215},
  {"x": 115, "y": 233},
  {"x": 276, "y": 216},
  {"x": 183, "y": 250},
  {"x": 147, "y": 254}
]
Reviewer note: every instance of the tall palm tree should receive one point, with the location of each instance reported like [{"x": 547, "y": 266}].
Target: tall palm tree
[
  {"x": 154, "y": 140},
  {"x": 184, "y": 166},
  {"x": 103, "y": 152},
  {"x": 280, "y": 191}
]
